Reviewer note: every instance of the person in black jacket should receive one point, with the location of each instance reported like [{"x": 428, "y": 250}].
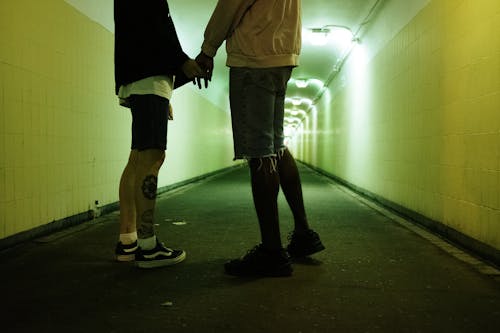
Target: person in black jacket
[{"x": 149, "y": 64}]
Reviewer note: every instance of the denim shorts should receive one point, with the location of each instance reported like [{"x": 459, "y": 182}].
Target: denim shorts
[
  {"x": 257, "y": 98},
  {"x": 149, "y": 121}
]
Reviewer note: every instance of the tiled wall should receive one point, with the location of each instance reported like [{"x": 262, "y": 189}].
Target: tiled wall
[
  {"x": 417, "y": 120},
  {"x": 63, "y": 138}
]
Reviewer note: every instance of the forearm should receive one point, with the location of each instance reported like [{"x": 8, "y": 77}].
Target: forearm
[{"x": 225, "y": 18}]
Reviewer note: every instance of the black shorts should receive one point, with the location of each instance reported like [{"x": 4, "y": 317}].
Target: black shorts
[{"x": 149, "y": 121}]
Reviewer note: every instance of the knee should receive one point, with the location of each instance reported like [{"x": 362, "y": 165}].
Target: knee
[
  {"x": 151, "y": 159},
  {"x": 158, "y": 160}
]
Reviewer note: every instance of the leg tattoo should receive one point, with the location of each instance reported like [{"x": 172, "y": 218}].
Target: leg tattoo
[
  {"x": 149, "y": 187},
  {"x": 146, "y": 228}
]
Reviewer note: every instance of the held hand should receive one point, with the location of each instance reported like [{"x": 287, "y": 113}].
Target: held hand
[
  {"x": 191, "y": 69},
  {"x": 170, "y": 112},
  {"x": 207, "y": 65}
]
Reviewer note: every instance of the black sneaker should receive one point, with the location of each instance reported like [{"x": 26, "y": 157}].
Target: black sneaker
[
  {"x": 126, "y": 252},
  {"x": 261, "y": 262},
  {"x": 158, "y": 257},
  {"x": 304, "y": 243}
]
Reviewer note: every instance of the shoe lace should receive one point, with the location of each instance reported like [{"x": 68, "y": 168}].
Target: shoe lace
[{"x": 164, "y": 247}]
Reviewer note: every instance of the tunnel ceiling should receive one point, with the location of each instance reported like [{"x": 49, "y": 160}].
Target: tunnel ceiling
[{"x": 318, "y": 62}]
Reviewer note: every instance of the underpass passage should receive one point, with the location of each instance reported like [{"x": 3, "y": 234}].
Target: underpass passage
[{"x": 376, "y": 275}]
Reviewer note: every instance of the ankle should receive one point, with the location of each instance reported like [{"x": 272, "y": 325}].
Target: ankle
[
  {"x": 147, "y": 243},
  {"x": 301, "y": 227},
  {"x": 128, "y": 238},
  {"x": 272, "y": 248}
]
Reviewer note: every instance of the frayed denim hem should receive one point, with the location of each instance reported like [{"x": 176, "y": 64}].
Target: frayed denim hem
[
  {"x": 279, "y": 154},
  {"x": 273, "y": 159}
]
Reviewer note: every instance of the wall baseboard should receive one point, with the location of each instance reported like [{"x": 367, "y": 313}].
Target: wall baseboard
[
  {"x": 480, "y": 249},
  {"x": 80, "y": 218}
]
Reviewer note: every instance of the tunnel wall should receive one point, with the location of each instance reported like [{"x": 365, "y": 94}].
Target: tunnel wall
[
  {"x": 413, "y": 117},
  {"x": 63, "y": 139}
]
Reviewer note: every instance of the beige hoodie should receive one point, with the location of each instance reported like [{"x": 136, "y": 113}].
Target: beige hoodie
[{"x": 258, "y": 33}]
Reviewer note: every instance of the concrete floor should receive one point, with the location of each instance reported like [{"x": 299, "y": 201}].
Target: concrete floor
[{"x": 375, "y": 276}]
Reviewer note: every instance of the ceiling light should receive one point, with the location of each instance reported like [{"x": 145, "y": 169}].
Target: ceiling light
[
  {"x": 301, "y": 83},
  {"x": 292, "y": 120},
  {"x": 319, "y": 36},
  {"x": 295, "y": 113},
  {"x": 336, "y": 33},
  {"x": 298, "y": 103},
  {"x": 316, "y": 82}
]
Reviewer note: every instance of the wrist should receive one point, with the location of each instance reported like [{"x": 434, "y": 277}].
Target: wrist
[{"x": 208, "y": 51}]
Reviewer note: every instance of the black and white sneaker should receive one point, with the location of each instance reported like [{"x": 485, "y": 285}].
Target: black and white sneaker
[
  {"x": 126, "y": 252},
  {"x": 159, "y": 256}
]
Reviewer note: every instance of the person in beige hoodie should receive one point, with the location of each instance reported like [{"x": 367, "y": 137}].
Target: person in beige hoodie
[{"x": 263, "y": 42}]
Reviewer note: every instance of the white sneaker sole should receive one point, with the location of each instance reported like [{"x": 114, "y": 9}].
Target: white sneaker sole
[
  {"x": 161, "y": 263},
  {"x": 125, "y": 257}
]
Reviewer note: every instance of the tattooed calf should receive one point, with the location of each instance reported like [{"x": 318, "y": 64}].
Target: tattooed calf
[
  {"x": 146, "y": 228},
  {"x": 149, "y": 187}
]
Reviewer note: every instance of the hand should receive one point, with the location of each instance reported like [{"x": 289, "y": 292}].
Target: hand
[
  {"x": 207, "y": 65},
  {"x": 170, "y": 112},
  {"x": 191, "y": 69}
]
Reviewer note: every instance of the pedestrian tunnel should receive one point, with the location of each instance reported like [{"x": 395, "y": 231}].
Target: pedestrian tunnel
[{"x": 394, "y": 106}]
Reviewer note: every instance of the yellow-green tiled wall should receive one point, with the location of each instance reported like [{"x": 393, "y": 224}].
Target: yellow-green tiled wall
[
  {"x": 418, "y": 121},
  {"x": 63, "y": 139}
]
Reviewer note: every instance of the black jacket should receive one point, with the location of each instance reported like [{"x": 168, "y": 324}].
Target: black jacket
[{"x": 146, "y": 42}]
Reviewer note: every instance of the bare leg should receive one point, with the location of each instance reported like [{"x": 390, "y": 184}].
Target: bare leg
[
  {"x": 292, "y": 188},
  {"x": 138, "y": 187},
  {"x": 265, "y": 188},
  {"x": 146, "y": 182},
  {"x": 127, "y": 195},
  {"x": 303, "y": 241}
]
